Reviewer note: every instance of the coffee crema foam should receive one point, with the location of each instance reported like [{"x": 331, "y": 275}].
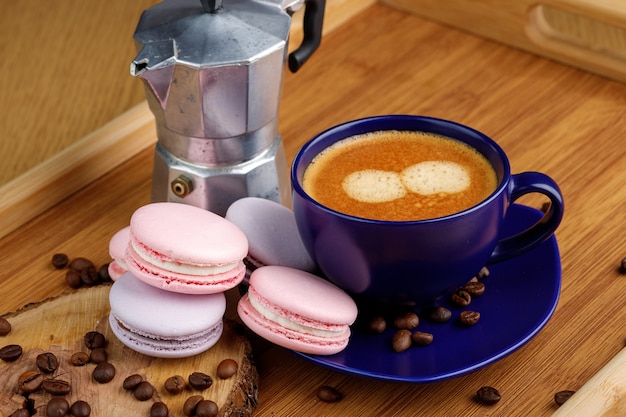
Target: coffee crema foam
[{"x": 395, "y": 175}]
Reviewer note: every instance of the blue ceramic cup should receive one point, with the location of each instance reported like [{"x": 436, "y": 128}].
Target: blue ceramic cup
[{"x": 417, "y": 262}]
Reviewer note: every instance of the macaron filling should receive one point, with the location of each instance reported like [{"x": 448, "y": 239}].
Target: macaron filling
[
  {"x": 163, "y": 262},
  {"x": 295, "y": 322}
]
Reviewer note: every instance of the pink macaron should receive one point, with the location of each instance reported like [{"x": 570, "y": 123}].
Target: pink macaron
[
  {"x": 164, "y": 324},
  {"x": 273, "y": 237},
  {"x": 297, "y": 310},
  {"x": 117, "y": 251},
  {"x": 186, "y": 249}
]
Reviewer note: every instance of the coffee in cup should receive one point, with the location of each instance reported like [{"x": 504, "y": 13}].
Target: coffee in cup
[
  {"x": 423, "y": 256},
  {"x": 399, "y": 175}
]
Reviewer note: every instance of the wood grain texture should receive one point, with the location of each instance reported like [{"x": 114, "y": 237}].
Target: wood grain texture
[
  {"x": 548, "y": 117},
  {"x": 58, "y": 325},
  {"x": 588, "y": 34}
]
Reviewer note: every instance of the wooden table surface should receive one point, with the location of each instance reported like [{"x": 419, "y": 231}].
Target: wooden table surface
[{"x": 548, "y": 117}]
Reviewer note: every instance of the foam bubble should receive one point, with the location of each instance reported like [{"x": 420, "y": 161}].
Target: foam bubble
[
  {"x": 374, "y": 186},
  {"x": 433, "y": 177}
]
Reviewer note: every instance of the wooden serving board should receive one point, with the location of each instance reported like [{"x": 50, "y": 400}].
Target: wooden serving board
[
  {"x": 58, "y": 325},
  {"x": 588, "y": 34},
  {"x": 604, "y": 395}
]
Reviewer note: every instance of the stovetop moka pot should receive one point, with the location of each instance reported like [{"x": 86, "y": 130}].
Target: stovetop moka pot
[{"x": 213, "y": 75}]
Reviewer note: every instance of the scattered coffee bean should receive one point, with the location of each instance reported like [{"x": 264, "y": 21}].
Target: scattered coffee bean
[
  {"x": 80, "y": 408},
  {"x": 11, "y": 353},
  {"x": 60, "y": 260},
  {"x": 79, "y": 359},
  {"x": 401, "y": 340},
  {"x": 377, "y": 324},
  {"x": 175, "y": 384},
  {"x": 47, "y": 362},
  {"x": 422, "y": 338},
  {"x": 89, "y": 276},
  {"x": 57, "y": 407},
  {"x": 5, "y": 326},
  {"x": 483, "y": 273},
  {"x": 623, "y": 266},
  {"x": 72, "y": 278},
  {"x": 29, "y": 381},
  {"x": 94, "y": 340},
  {"x": 103, "y": 273},
  {"x": 98, "y": 355},
  {"x": 206, "y": 408},
  {"x": 469, "y": 318},
  {"x": 439, "y": 314},
  {"x": 56, "y": 386},
  {"x": 22, "y": 412},
  {"x": 488, "y": 395},
  {"x": 189, "y": 407},
  {"x": 475, "y": 288},
  {"x": 144, "y": 391},
  {"x": 131, "y": 382},
  {"x": 200, "y": 381},
  {"x": 104, "y": 372},
  {"x": 562, "y": 396},
  {"x": 159, "y": 409},
  {"x": 227, "y": 368},
  {"x": 461, "y": 298},
  {"x": 328, "y": 394},
  {"x": 80, "y": 264},
  {"x": 406, "y": 321}
]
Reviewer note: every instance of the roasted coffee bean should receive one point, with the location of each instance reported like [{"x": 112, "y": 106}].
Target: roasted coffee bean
[
  {"x": 328, "y": 394},
  {"x": 22, "y": 412},
  {"x": 488, "y": 395},
  {"x": 131, "y": 382},
  {"x": 439, "y": 314},
  {"x": 103, "y": 273},
  {"x": 80, "y": 264},
  {"x": 11, "y": 353},
  {"x": 422, "y": 338},
  {"x": 461, "y": 298},
  {"x": 206, "y": 408},
  {"x": 377, "y": 325},
  {"x": 56, "y": 386},
  {"x": 227, "y": 368},
  {"x": 60, "y": 260},
  {"x": 475, "y": 288},
  {"x": 189, "y": 407},
  {"x": 47, "y": 362},
  {"x": 89, "y": 276},
  {"x": 79, "y": 359},
  {"x": 80, "y": 408},
  {"x": 94, "y": 340},
  {"x": 159, "y": 409},
  {"x": 406, "y": 321},
  {"x": 72, "y": 278},
  {"x": 562, "y": 396},
  {"x": 175, "y": 384},
  {"x": 29, "y": 381},
  {"x": 5, "y": 326},
  {"x": 200, "y": 381},
  {"x": 469, "y": 318},
  {"x": 623, "y": 266},
  {"x": 57, "y": 407},
  {"x": 483, "y": 273},
  {"x": 104, "y": 372},
  {"x": 98, "y": 355},
  {"x": 401, "y": 340},
  {"x": 144, "y": 391}
]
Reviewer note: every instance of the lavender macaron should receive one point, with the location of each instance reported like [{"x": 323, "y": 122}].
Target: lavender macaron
[{"x": 272, "y": 233}]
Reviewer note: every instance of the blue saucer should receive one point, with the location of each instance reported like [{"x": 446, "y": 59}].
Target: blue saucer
[{"x": 521, "y": 296}]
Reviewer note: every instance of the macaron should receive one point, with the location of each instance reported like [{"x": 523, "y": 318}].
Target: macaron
[
  {"x": 273, "y": 237},
  {"x": 162, "y": 323},
  {"x": 297, "y": 310},
  {"x": 186, "y": 249},
  {"x": 117, "y": 251}
]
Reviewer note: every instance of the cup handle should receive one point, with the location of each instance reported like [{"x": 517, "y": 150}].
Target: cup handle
[{"x": 525, "y": 183}]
